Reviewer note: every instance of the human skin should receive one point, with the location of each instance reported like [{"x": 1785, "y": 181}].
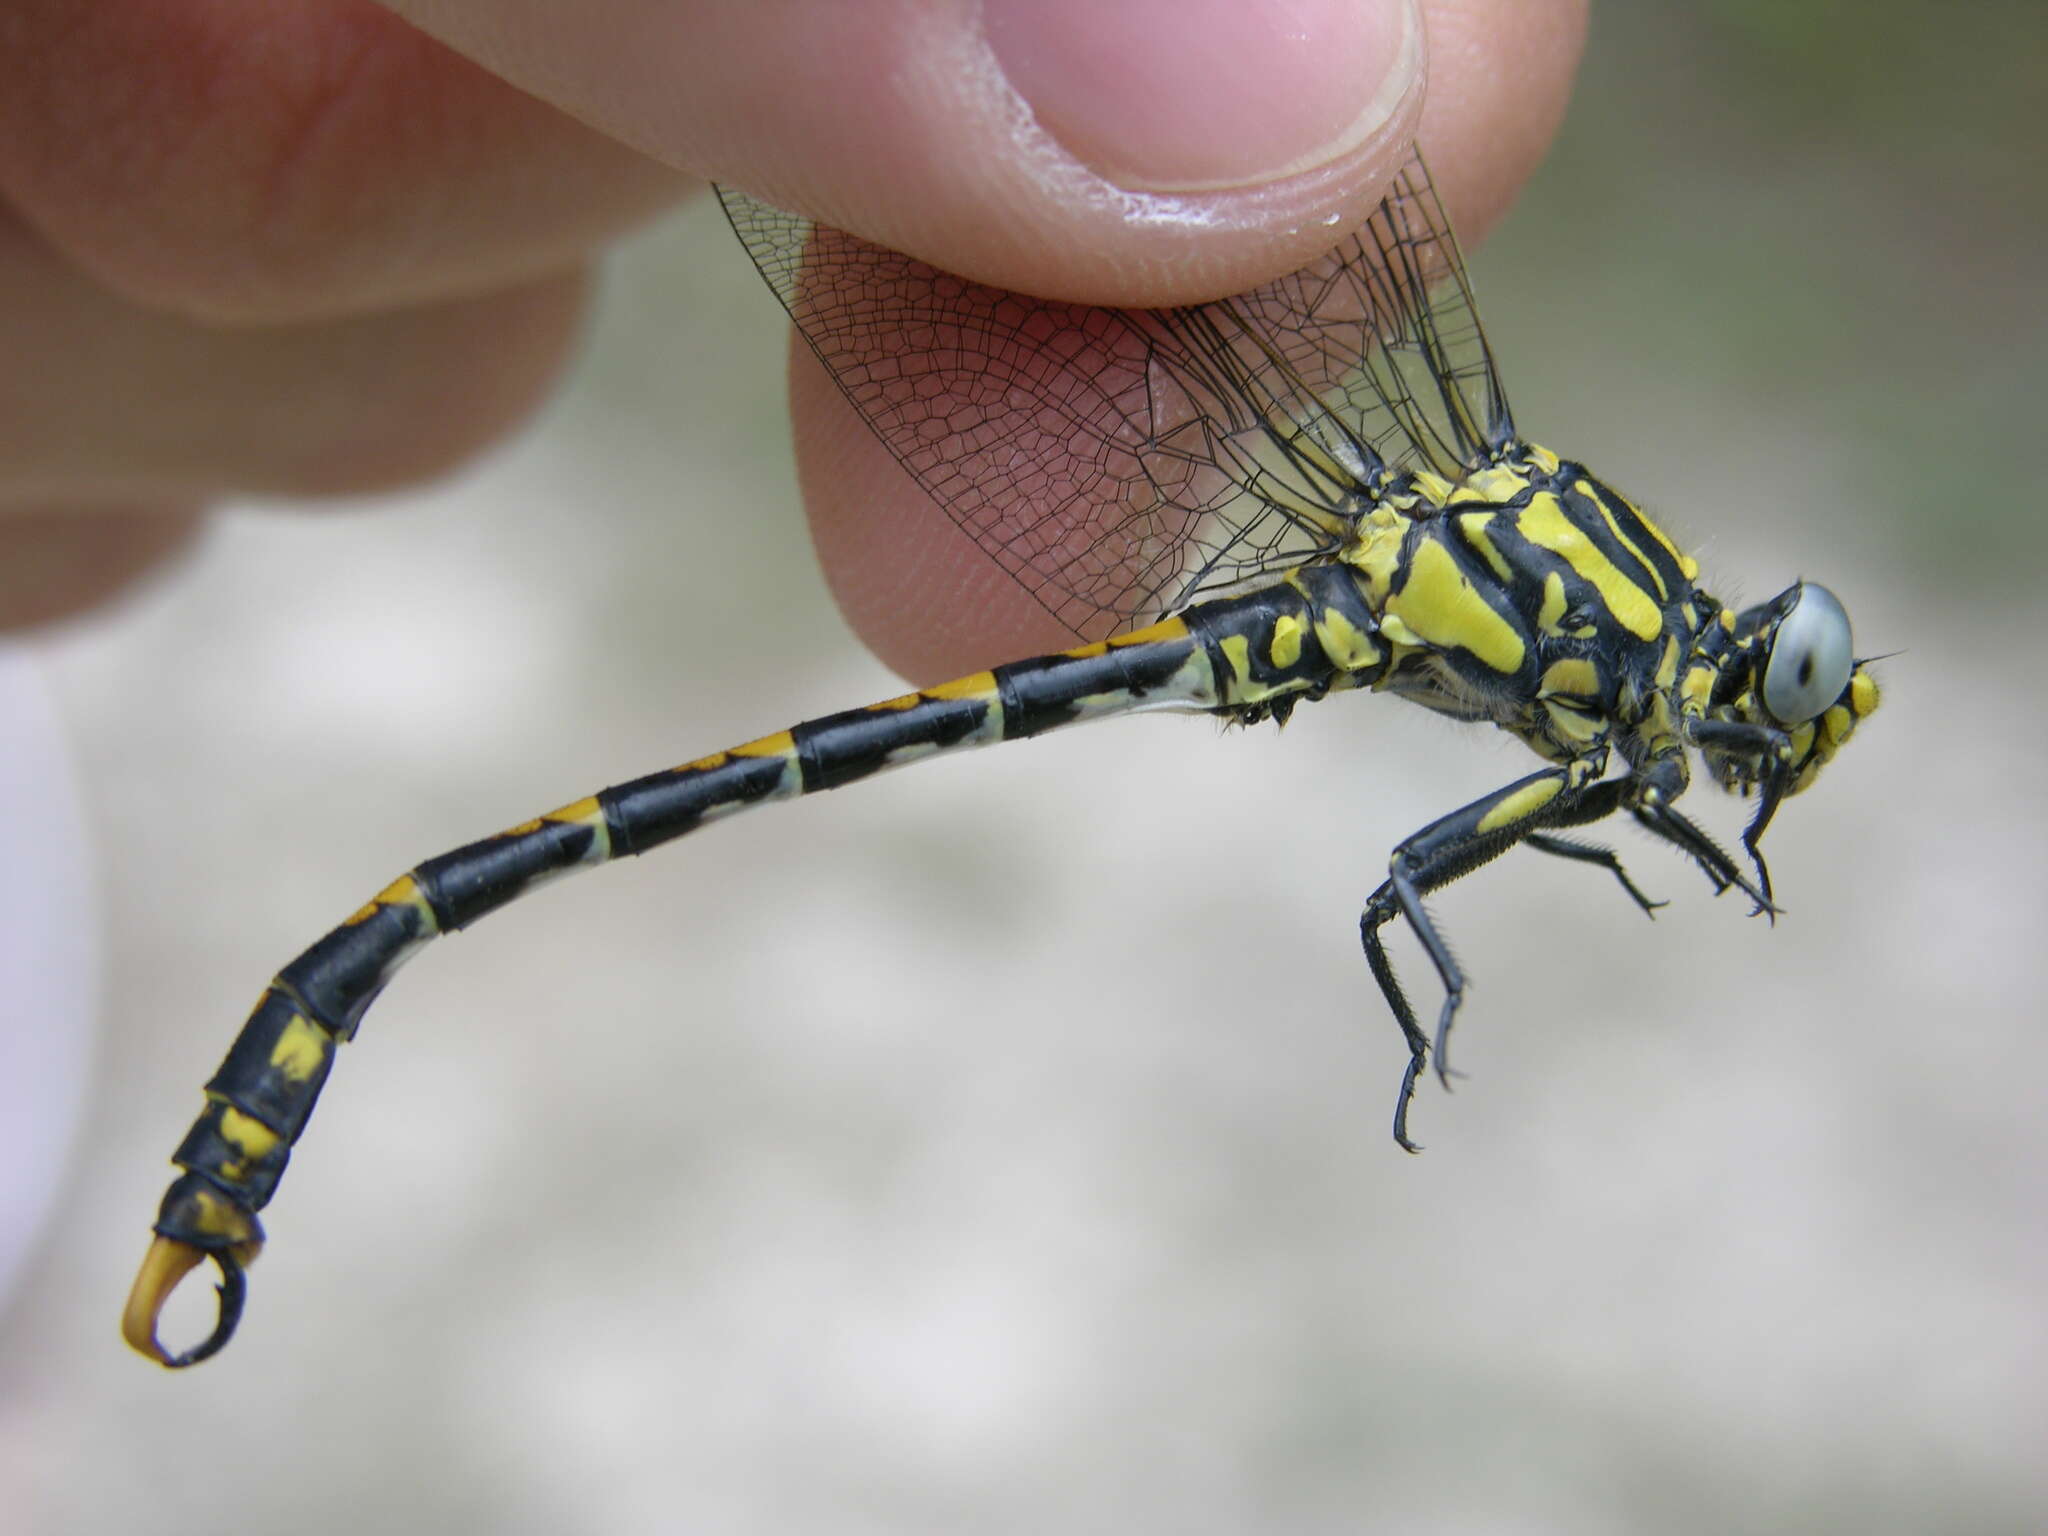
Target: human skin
[{"x": 307, "y": 247}]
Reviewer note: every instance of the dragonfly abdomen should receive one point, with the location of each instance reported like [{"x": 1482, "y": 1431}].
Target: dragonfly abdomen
[
  {"x": 260, "y": 1099},
  {"x": 1244, "y": 657},
  {"x": 1293, "y": 639}
]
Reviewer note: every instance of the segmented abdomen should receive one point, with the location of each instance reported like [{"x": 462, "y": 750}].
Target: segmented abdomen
[
  {"x": 1234, "y": 656},
  {"x": 259, "y": 1100}
]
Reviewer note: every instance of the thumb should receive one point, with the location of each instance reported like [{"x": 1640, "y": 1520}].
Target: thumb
[{"x": 1141, "y": 153}]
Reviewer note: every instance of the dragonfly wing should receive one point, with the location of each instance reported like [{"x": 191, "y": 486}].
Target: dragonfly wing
[
  {"x": 1386, "y": 333},
  {"x": 1120, "y": 463}
]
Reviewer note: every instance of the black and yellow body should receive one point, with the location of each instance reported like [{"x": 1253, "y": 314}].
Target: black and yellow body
[{"x": 1449, "y": 563}]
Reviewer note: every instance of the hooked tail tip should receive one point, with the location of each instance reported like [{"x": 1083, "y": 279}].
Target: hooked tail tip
[{"x": 167, "y": 1263}]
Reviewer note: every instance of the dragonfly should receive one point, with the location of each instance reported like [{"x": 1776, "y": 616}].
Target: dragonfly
[{"x": 1312, "y": 489}]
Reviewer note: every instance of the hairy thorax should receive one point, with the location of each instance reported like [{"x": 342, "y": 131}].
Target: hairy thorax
[{"x": 1531, "y": 595}]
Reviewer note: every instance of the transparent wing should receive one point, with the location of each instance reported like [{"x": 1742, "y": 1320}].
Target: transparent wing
[{"x": 1122, "y": 463}]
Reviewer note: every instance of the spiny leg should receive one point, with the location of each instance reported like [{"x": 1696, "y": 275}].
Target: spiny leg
[
  {"x": 1592, "y": 853},
  {"x": 1376, "y": 914},
  {"x": 1770, "y": 750},
  {"x": 1752, "y": 837},
  {"x": 1689, "y": 838},
  {"x": 1597, "y": 803},
  {"x": 1441, "y": 852}
]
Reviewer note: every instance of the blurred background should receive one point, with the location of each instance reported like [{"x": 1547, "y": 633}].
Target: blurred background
[{"x": 1003, "y": 1146}]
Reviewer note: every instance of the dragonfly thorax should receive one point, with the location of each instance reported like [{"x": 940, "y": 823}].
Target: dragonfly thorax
[{"x": 1528, "y": 594}]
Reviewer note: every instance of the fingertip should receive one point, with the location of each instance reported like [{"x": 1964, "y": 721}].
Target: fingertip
[
  {"x": 1147, "y": 153},
  {"x": 1150, "y": 154},
  {"x": 1083, "y": 152},
  {"x": 1500, "y": 79},
  {"x": 61, "y": 561},
  {"x": 1207, "y": 95}
]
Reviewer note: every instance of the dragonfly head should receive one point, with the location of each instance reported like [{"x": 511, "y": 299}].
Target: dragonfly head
[{"x": 1792, "y": 666}]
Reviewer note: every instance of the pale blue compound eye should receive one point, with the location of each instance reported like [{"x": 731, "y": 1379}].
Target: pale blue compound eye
[{"x": 1811, "y": 657}]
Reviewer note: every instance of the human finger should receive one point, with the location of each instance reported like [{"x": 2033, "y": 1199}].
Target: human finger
[
  {"x": 57, "y": 563},
  {"x": 119, "y": 420},
  {"x": 254, "y": 160},
  {"x": 1147, "y": 152}
]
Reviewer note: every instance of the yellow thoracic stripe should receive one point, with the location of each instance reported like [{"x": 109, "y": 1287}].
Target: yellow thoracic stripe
[
  {"x": 1543, "y": 522},
  {"x": 1438, "y": 605}
]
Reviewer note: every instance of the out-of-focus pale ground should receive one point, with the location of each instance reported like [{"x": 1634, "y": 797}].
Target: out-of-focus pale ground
[{"x": 1002, "y": 1145}]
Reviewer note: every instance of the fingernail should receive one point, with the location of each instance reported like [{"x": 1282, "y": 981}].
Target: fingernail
[{"x": 1200, "y": 95}]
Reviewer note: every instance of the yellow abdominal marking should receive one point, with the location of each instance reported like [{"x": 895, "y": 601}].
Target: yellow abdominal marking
[
  {"x": 220, "y": 1218},
  {"x": 1344, "y": 642},
  {"x": 1286, "y": 647},
  {"x": 1175, "y": 628},
  {"x": 781, "y": 744},
  {"x": 979, "y": 685},
  {"x": 251, "y": 1138},
  {"x": 302, "y": 1046},
  {"x": 402, "y": 892}
]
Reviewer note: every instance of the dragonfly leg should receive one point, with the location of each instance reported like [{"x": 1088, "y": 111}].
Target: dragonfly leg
[
  {"x": 1375, "y": 916},
  {"x": 1592, "y": 853},
  {"x": 1689, "y": 838},
  {"x": 1770, "y": 751},
  {"x": 1597, "y": 803},
  {"x": 1441, "y": 852}
]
